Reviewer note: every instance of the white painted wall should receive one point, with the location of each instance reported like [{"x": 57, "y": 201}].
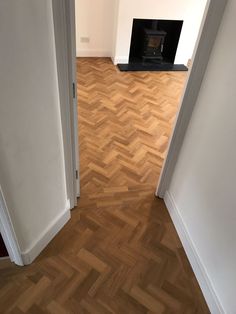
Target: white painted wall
[
  {"x": 203, "y": 184},
  {"x": 32, "y": 170},
  {"x": 95, "y": 20},
  {"x": 190, "y": 11}
]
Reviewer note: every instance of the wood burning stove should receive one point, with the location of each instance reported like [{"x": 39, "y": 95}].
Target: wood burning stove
[{"x": 153, "y": 45}]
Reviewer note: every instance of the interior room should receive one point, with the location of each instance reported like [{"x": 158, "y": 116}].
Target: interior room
[{"x": 117, "y": 156}]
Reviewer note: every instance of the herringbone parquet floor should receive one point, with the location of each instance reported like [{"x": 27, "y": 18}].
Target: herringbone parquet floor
[{"x": 120, "y": 252}]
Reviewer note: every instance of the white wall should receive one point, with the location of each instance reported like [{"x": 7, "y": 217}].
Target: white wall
[
  {"x": 95, "y": 20},
  {"x": 32, "y": 171},
  {"x": 190, "y": 11},
  {"x": 203, "y": 184}
]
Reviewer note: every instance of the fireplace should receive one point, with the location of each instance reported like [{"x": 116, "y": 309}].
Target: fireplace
[{"x": 153, "y": 46}]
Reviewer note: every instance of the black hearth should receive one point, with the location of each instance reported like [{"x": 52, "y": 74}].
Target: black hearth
[{"x": 153, "y": 46}]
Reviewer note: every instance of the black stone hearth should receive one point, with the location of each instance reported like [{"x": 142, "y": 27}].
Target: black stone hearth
[
  {"x": 151, "y": 67},
  {"x": 153, "y": 46}
]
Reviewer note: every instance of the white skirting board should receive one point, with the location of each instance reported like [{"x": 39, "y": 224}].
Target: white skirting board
[
  {"x": 30, "y": 255},
  {"x": 101, "y": 54},
  {"x": 93, "y": 54},
  {"x": 198, "y": 267},
  {"x": 117, "y": 60}
]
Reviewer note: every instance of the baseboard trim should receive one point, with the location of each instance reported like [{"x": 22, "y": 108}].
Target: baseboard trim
[
  {"x": 209, "y": 293},
  {"x": 93, "y": 53},
  {"x": 117, "y": 60},
  {"x": 30, "y": 254}
]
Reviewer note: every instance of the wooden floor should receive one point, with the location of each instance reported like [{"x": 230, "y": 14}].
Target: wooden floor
[{"x": 120, "y": 252}]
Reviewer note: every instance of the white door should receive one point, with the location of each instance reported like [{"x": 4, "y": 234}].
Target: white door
[
  {"x": 64, "y": 29},
  {"x": 70, "y": 22}
]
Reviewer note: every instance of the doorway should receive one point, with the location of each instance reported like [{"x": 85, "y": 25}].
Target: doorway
[{"x": 126, "y": 119}]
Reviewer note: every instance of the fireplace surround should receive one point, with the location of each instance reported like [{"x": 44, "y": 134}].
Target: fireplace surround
[{"x": 153, "y": 46}]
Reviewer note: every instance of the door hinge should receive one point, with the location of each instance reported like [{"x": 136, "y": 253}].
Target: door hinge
[
  {"x": 73, "y": 87},
  {"x": 77, "y": 174}
]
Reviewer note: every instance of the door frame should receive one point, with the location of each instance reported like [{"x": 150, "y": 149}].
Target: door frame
[
  {"x": 72, "y": 65},
  {"x": 210, "y": 24},
  {"x": 64, "y": 32}
]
